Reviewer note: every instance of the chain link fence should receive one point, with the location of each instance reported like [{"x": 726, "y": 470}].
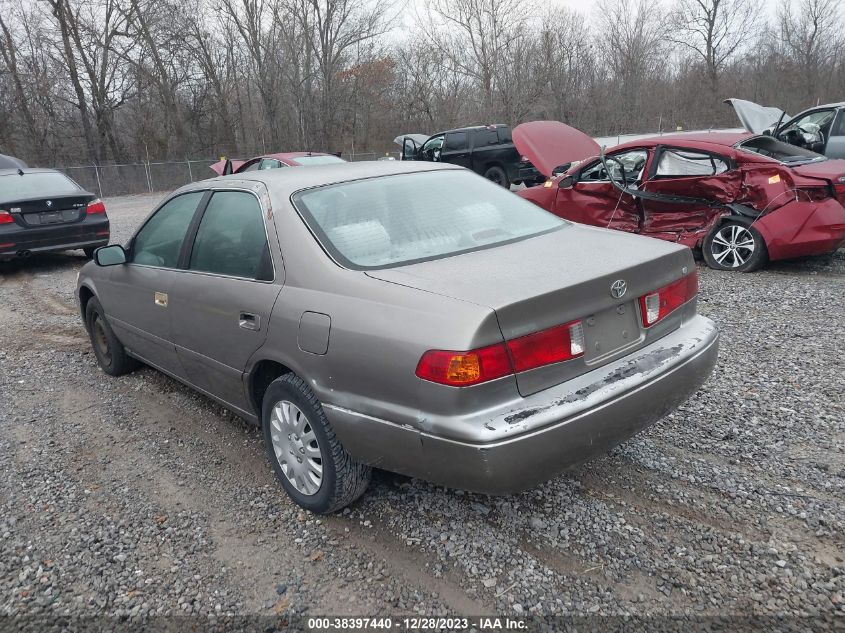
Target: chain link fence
[{"x": 133, "y": 178}]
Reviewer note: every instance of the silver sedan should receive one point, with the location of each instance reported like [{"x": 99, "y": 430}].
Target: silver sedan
[{"x": 406, "y": 316}]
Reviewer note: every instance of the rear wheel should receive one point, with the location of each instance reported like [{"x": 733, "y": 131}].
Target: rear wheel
[
  {"x": 109, "y": 351},
  {"x": 497, "y": 175},
  {"x": 734, "y": 246},
  {"x": 308, "y": 459}
]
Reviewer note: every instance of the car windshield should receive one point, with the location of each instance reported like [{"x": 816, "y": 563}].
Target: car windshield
[
  {"x": 780, "y": 151},
  {"x": 394, "y": 220},
  {"x": 326, "y": 159},
  {"x": 35, "y": 185}
]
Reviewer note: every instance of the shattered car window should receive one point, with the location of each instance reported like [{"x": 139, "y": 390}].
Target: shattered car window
[
  {"x": 681, "y": 163},
  {"x": 394, "y": 220},
  {"x": 633, "y": 163},
  {"x": 779, "y": 151}
]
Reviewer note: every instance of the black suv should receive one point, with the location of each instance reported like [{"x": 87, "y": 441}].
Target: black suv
[{"x": 485, "y": 149}]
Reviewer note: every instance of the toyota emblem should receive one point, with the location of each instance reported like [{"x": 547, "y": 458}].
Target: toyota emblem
[{"x": 618, "y": 288}]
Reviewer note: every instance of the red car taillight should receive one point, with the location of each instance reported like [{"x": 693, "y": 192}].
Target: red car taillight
[
  {"x": 96, "y": 206},
  {"x": 5, "y": 217},
  {"x": 462, "y": 369},
  {"x": 658, "y": 304}
]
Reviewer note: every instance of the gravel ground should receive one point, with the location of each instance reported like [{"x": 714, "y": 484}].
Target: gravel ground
[{"x": 136, "y": 496}]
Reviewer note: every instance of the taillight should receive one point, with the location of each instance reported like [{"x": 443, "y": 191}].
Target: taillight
[
  {"x": 96, "y": 206},
  {"x": 557, "y": 344},
  {"x": 462, "y": 369},
  {"x": 840, "y": 192},
  {"x": 658, "y": 304},
  {"x": 814, "y": 194},
  {"x": 5, "y": 217}
]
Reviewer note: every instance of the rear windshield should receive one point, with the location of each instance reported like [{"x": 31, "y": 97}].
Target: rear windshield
[
  {"x": 393, "y": 220},
  {"x": 35, "y": 185},
  {"x": 318, "y": 160},
  {"x": 780, "y": 151}
]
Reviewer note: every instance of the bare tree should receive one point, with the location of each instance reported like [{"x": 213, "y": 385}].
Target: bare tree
[
  {"x": 715, "y": 31},
  {"x": 811, "y": 35}
]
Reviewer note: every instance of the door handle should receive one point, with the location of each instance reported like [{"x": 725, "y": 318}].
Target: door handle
[{"x": 249, "y": 321}]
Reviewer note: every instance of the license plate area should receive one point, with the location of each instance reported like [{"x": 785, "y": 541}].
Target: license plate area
[
  {"x": 50, "y": 217},
  {"x": 610, "y": 332}
]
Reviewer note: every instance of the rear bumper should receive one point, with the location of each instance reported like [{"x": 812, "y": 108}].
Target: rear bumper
[
  {"x": 538, "y": 437},
  {"x": 800, "y": 229},
  {"x": 86, "y": 234}
]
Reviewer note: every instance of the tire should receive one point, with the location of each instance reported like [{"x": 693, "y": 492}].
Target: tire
[
  {"x": 89, "y": 252},
  {"x": 497, "y": 175},
  {"x": 109, "y": 351},
  {"x": 734, "y": 246},
  {"x": 290, "y": 405}
]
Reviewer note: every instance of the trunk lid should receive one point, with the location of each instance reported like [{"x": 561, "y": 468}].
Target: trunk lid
[
  {"x": 756, "y": 118},
  {"x": 551, "y": 279},
  {"x": 48, "y": 211},
  {"x": 552, "y": 144}
]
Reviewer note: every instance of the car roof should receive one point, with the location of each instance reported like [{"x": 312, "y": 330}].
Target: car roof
[
  {"x": 492, "y": 126},
  {"x": 722, "y": 139},
  {"x": 291, "y": 155},
  {"x": 284, "y": 182}
]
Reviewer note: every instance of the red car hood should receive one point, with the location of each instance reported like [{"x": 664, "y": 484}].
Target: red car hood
[
  {"x": 217, "y": 167},
  {"x": 550, "y": 144}
]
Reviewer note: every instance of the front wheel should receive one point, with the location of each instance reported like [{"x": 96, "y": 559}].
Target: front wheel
[
  {"x": 497, "y": 175},
  {"x": 308, "y": 459},
  {"x": 109, "y": 351},
  {"x": 734, "y": 246}
]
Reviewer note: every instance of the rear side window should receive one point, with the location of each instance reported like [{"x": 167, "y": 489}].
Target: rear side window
[
  {"x": 456, "y": 140},
  {"x": 231, "y": 239},
  {"x": 504, "y": 135},
  {"x": 839, "y": 124},
  {"x": 683, "y": 163},
  {"x": 486, "y": 137},
  {"x": 159, "y": 241}
]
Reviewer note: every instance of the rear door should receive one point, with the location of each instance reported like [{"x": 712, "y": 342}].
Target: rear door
[
  {"x": 456, "y": 149},
  {"x": 836, "y": 143},
  {"x": 221, "y": 303},
  {"x": 594, "y": 200},
  {"x": 137, "y": 295},
  {"x": 690, "y": 173}
]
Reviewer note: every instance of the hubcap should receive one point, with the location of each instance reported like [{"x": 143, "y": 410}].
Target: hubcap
[
  {"x": 732, "y": 246},
  {"x": 296, "y": 448},
  {"x": 101, "y": 341}
]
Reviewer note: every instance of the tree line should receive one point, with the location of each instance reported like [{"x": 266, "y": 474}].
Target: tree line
[{"x": 104, "y": 81}]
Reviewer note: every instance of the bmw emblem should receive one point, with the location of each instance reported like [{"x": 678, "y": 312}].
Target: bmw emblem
[
  {"x": 49, "y": 203},
  {"x": 618, "y": 288}
]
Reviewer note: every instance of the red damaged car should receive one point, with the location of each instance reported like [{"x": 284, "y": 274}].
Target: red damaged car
[
  {"x": 741, "y": 198},
  {"x": 275, "y": 161}
]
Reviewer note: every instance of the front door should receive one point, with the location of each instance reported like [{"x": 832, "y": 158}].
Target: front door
[
  {"x": 137, "y": 296},
  {"x": 593, "y": 199},
  {"x": 221, "y": 303}
]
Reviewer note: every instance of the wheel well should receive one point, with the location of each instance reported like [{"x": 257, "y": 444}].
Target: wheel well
[
  {"x": 85, "y": 295},
  {"x": 265, "y": 372}
]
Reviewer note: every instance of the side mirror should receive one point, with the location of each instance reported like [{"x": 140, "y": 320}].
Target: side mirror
[
  {"x": 227, "y": 167},
  {"x": 566, "y": 182},
  {"x": 110, "y": 255}
]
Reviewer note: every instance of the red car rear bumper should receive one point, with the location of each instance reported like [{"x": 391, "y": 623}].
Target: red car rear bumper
[{"x": 800, "y": 228}]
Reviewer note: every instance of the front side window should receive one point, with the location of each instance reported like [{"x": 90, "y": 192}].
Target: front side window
[
  {"x": 632, "y": 162},
  {"x": 679, "y": 163},
  {"x": 159, "y": 241},
  {"x": 839, "y": 126},
  {"x": 810, "y": 124},
  {"x": 394, "y": 220},
  {"x": 231, "y": 239},
  {"x": 271, "y": 163},
  {"x": 431, "y": 147}
]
